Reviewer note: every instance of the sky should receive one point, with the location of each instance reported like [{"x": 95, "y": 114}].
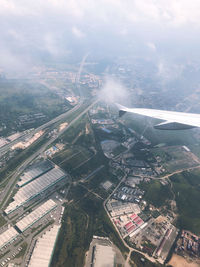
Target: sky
[{"x": 34, "y": 31}]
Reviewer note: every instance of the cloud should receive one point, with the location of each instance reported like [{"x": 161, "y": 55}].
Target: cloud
[
  {"x": 113, "y": 91},
  {"x": 107, "y": 27},
  {"x": 174, "y": 12},
  {"x": 77, "y": 32},
  {"x": 151, "y": 46}
]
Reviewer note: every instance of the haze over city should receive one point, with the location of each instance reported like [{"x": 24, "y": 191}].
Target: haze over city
[{"x": 99, "y": 133}]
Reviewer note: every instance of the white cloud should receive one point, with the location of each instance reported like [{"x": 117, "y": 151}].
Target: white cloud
[
  {"x": 172, "y": 12},
  {"x": 50, "y": 44},
  {"x": 50, "y": 24},
  {"x": 77, "y": 32},
  {"x": 151, "y": 46},
  {"x": 113, "y": 92}
]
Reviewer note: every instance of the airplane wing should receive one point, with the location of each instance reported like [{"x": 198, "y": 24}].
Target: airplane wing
[{"x": 172, "y": 120}]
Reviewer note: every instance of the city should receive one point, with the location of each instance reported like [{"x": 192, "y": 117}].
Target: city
[{"x": 93, "y": 170}]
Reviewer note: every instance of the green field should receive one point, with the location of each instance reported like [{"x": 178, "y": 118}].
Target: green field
[
  {"x": 72, "y": 158},
  {"x": 174, "y": 158},
  {"x": 75, "y": 161},
  {"x": 73, "y": 132},
  {"x": 187, "y": 194},
  {"x": 64, "y": 154},
  {"x": 156, "y": 193}
]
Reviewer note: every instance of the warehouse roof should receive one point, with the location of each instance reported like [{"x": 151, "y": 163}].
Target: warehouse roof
[
  {"x": 8, "y": 236},
  {"x": 35, "y": 171},
  {"x": 43, "y": 250},
  {"x": 34, "y": 188},
  {"x": 35, "y": 215},
  {"x": 104, "y": 256}
]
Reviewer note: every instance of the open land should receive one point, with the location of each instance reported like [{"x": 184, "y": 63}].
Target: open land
[{"x": 178, "y": 261}]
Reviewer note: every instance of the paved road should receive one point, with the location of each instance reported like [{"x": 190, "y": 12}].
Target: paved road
[
  {"x": 176, "y": 172},
  {"x": 5, "y": 195},
  {"x": 5, "y": 148},
  {"x": 125, "y": 244}
]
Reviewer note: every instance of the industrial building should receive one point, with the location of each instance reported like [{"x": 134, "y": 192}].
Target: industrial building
[
  {"x": 117, "y": 208},
  {"x": 8, "y": 236},
  {"x": 43, "y": 250},
  {"x": 35, "y": 215},
  {"x": 166, "y": 243},
  {"x": 103, "y": 253},
  {"x": 35, "y": 188},
  {"x": 103, "y": 256},
  {"x": 35, "y": 171}
]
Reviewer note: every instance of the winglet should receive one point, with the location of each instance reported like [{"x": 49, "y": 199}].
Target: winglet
[
  {"x": 122, "y": 109},
  {"x": 121, "y": 113}
]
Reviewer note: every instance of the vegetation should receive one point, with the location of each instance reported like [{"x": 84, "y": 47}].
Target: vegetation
[
  {"x": 138, "y": 260},
  {"x": 156, "y": 193},
  {"x": 186, "y": 187},
  {"x": 89, "y": 166},
  {"x": 2, "y": 221},
  {"x": 35, "y": 228},
  {"x": 45, "y": 226},
  {"x": 20, "y": 98},
  {"x": 81, "y": 221}
]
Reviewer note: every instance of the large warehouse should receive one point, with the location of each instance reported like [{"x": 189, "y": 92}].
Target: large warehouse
[
  {"x": 103, "y": 256},
  {"x": 44, "y": 247},
  {"x": 35, "y": 171},
  {"x": 34, "y": 188},
  {"x": 35, "y": 215},
  {"x": 8, "y": 236}
]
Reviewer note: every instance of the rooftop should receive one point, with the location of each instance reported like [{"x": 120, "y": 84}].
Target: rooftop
[
  {"x": 35, "y": 215},
  {"x": 43, "y": 249},
  {"x": 35, "y": 171},
  {"x": 34, "y": 188},
  {"x": 104, "y": 256},
  {"x": 8, "y": 236}
]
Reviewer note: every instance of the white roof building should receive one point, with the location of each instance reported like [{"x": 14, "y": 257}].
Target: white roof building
[
  {"x": 117, "y": 208},
  {"x": 35, "y": 188},
  {"x": 35, "y": 215},
  {"x": 34, "y": 172},
  {"x": 8, "y": 236},
  {"x": 104, "y": 256},
  {"x": 44, "y": 247}
]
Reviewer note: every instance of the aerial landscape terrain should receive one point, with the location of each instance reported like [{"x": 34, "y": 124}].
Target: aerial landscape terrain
[{"x": 81, "y": 184}]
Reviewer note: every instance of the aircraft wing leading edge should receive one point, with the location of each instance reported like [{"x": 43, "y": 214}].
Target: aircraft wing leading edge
[{"x": 172, "y": 120}]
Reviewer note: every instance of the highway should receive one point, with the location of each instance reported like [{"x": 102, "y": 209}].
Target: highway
[
  {"x": 5, "y": 195},
  {"x": 62, "y": 116}
]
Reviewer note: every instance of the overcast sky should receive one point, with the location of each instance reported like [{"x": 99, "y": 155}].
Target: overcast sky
[{"x": 33, "y": 30}]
